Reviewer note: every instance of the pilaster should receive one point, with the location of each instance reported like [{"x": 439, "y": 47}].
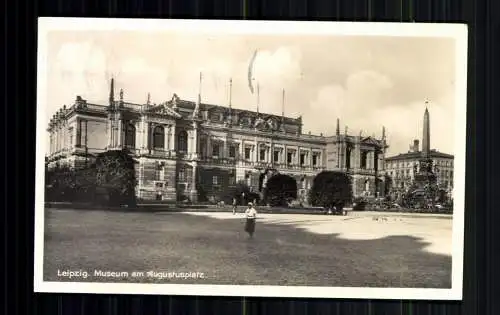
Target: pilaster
[
  {"x": 172, "y": 138},
  {"x": 193, "y": 193}
]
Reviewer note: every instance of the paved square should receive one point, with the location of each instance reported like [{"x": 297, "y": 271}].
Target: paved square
[{"x": 363, "y": 249}]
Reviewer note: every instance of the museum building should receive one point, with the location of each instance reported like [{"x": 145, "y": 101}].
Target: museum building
[{"x": 196, "y": 150}]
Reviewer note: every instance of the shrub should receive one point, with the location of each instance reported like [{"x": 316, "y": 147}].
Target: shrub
[
  {"x": 360, "y": 203},
  {"x": 69, "y": 185},
  {"x": 331, "y": 189},
  {"x": 280, "y": 190},
  {"x": 115, "y": 173}
]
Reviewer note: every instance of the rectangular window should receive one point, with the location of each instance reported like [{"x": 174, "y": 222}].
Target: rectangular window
[
  {"x": 302, "y": 159},
  {"x": 247, "y": 153},
  {"x": 158, "y": 170},
  {"x": 276, "y": 156},
  {"x": 182, "y": 175},
  {"x": 315, "y": 160},
  {"x": 232, "y": 151},
  {"x": 215, "y": 180},
  {"x": 215, "y": 150},
  {"x": 262, "y": 154},
  {"x": 289, "y": 157},
  {"x": 232, "y": 180}
]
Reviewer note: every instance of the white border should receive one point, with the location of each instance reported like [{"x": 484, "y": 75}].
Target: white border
[{"x": 456, "y": 31}]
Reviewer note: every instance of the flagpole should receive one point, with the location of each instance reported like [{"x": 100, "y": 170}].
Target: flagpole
[
  {"x": 283, "y": 105},
  {"x": 258, "y": 97},
  {"x": 230, "y": 91}
]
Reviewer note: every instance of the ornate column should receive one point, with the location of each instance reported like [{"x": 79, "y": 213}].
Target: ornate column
[
  {"x": 241, "y": 150},
  {"x": 120, "y": 130},
  {"x": 165, "y": 138},
  {"x": 151, "y": 131},
  {"x": 144, "y": 133},
  {"x": 356, "y": 152},
  {"x": 109, "y": 130},
  {"x": 256, "y": 151},
  {"x": 310, "y": 157},
  {"x": 195, "y": 142},
  {"x": 193, "y": 193},
  {"x": 209, "y": 146},
  {"x": 172, "y": 139},
  {"x": 224, "y": 148},
  {"x": 168, "y": 141}
]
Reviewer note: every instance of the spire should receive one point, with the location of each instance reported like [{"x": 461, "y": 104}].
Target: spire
[
  {"x": 112, "y": 92},
  {"x": 345, "y": 130},
  {"x": 426, "y": 134},
  {"x": 199, "y": 87},
  {"x": 282, "y": 125},
  {"x": 383, "y": 132},
  {"x": 230, "y": 116},
  {"x": 337, "y": 132},
  {"x": 198, "y": 101},
  {"x": 148, "y": 102},
  {"x": 121, "y": 95}
]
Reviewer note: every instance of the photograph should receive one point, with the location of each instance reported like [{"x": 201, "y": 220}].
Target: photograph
[{"x": 250, "y": 158}]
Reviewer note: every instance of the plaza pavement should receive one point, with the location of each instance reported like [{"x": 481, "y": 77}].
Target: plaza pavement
[
  {"x": 434, "y": 229},
  {"x": 288, "y": 249}
]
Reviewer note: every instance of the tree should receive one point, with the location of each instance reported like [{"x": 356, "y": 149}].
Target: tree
[
  {"x": 115, "y": 174},
  {"x": 331, "y": 189},
  {"x": 280, "y": 190}
]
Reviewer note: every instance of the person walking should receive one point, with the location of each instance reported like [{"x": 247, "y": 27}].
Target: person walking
[
  {"x": 235, "y": 204},
  {"x": 251, "y": 216}
]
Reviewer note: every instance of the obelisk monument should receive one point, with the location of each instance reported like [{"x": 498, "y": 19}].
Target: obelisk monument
[{"x": 424, "y": 186}]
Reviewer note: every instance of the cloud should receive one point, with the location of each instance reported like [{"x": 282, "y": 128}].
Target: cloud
[
  {"x": 360, "y": 80},
  {"x": 138, "y": 78},
  {"x": 278, "y": 67},
  {"x": 79, "y": 66},
  {"x": 362, "y": 103}
]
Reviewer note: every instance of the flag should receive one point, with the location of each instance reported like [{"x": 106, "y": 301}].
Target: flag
[{"x": 250, "y": 71}]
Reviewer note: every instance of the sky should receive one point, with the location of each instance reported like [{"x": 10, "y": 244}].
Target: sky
[{"x": 365, "y": 81}]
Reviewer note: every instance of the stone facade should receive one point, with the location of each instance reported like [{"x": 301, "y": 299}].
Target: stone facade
[{"x": 194, "y": 150}]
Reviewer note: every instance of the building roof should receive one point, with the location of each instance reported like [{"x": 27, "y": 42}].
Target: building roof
[{"x": 417, "y": 155}]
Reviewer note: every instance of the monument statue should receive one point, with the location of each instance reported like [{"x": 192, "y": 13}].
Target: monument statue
[{"x": 423, "y": 191}]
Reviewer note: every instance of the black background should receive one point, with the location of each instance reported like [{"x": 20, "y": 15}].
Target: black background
[{"x": 481, "y": 267}]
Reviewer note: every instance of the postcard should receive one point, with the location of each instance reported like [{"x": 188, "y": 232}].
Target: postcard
[{"x": 250, "y": 158}]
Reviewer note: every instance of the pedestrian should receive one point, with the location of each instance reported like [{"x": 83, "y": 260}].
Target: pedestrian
[
  {"x": 251, "y": 215},
  {"x": 235, "y": 204}
]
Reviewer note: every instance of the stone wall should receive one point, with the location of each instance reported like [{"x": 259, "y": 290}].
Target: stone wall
[{"x": 149, "y": 187}]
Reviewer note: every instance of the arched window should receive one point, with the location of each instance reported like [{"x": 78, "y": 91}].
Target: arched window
[
  {"x": 129, "y": 136},
  {"x": 182, "y": 139},
  {"x": 159, "y": 137},
  {"x": 363, "y": 160}
]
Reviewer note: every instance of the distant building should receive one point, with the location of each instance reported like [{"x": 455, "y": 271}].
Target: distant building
[
  {"x": 197, "y": 150},
  {"x": 403, "y": 167}
]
